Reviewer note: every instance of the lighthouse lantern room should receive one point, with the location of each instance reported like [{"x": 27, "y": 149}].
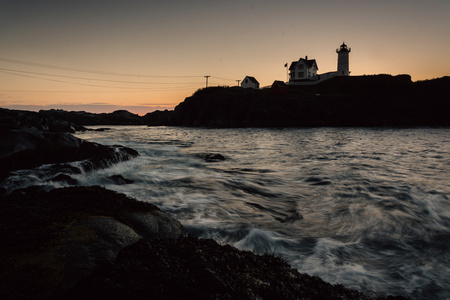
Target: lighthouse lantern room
[{"x": 343, "y": 65}]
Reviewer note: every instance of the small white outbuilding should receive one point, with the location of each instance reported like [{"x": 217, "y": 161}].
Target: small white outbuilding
[{"x": 250, "y": 82}]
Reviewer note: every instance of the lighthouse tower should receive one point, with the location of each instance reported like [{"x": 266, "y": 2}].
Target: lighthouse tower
[{"x": 342, "y": 67}]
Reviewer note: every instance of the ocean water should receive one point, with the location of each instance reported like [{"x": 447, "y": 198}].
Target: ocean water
[{"x": 366, "y": 208}]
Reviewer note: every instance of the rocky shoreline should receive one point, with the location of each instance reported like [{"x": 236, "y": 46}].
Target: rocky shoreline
[{"x": 83, "y": 242}]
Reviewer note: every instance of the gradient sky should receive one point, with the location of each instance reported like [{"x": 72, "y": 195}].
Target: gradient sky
[{"x": 103, "y": 55}]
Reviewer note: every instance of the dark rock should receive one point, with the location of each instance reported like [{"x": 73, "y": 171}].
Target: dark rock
[
  {"x": 158, "y": 118},
  {"x": 87, "y": 242},
  {"x": 211, "y": 157},
  {"x": 123, "y": 117},
  {"x": 29, "y": 148},
  {"x": 119, "y": 117},
  {"x": 31, "y": 139},
  {"x": 56, "y": 238},
  {"x": 154, "y": 224},
  {"x": 14, "y": 119},
  {"x": 65, "y": 179},
  {"x": 119, "y": 179},
  {"x": 102, "y": 129},
  {"x": 190, "y": 268},
  {"x": 91, "y": 242}
]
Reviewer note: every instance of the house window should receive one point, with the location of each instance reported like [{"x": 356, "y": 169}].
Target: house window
[
  {"x": 246, "y": 80},
  {"x": 300, "y": 74},
  {"x": 301, "y": 67}
]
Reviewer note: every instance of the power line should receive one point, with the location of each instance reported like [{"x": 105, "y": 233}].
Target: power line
[
  {"x": 26, "y": 63},
  {"x": 93, "y": 79},
  {"x": 55, "y": 80},
  {"x": 223, "y": 78},
  {"x": 15, "y": 72},
  {"x": 87, "y": 84},
  {"x": 53, "y": 91},
  {"x": 96, "y": 92}
]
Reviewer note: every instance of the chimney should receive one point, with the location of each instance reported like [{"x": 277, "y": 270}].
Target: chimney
[{"x": 306, "y": 57}]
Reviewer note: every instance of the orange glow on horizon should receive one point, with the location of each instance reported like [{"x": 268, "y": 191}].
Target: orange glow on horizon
[{"x": 147, "y": 56}]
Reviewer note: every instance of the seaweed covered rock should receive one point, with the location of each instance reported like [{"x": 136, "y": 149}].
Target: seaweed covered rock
[
  {"x": 191, "y": 268},
  {"x": 50, "y": 240}
]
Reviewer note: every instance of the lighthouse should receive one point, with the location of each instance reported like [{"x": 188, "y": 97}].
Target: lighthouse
[{"x": 342, "y": 67}]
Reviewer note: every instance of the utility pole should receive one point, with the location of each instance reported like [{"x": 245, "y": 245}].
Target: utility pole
[
  {"x": 238, "y": 81},
  {"x": 287, "y": 76},
  {"x": 207, "y": 76}
]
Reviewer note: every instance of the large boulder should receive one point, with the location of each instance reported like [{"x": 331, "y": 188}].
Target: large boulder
[{"x": 53, "y": 239}]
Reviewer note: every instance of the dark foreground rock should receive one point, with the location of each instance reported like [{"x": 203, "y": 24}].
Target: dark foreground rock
[
  {"x": 191, "y": 268},
  {"x": 89, "y": 242},
  {"x": 51, "y": 240}
]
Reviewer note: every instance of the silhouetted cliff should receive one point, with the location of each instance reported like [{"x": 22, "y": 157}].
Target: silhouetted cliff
[{"x": 378, "y": 100}]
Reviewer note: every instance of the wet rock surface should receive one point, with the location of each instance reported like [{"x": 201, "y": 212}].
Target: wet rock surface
[
  {"x": 53, "y": 239},
  {"x": 119, "y": 179},
  {"x": 27, "y": 141},
  {"x": 191, "y": 268},
  {"x": 85, "y": 242},
  {"x": 211, "y": 157}
]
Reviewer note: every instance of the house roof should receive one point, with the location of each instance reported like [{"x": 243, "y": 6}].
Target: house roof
[
  {"x": 252, "y": 79},
  {"x": 293, "y": 64},
  {"x": 308, "y": 62},
  {"x": 279, "y": 83}
]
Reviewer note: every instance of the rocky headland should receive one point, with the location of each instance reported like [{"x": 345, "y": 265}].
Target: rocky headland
[
  {"x": 379, "y": 100},
  {"x": 84, "y": 242},
  {"x": 362, "y": 101}
]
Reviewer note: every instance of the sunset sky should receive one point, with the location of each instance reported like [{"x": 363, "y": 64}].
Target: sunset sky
[{"x": 104, "y": 55}]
